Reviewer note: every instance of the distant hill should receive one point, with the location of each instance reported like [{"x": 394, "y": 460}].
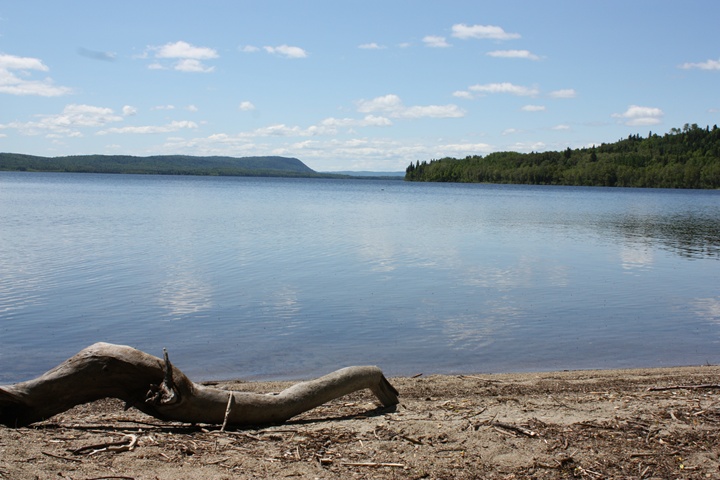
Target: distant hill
[{"x": 160, "y": 164}]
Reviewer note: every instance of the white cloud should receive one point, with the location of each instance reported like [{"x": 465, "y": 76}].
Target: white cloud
[
  {"x": 533, "y": 108},
  {"x": 706, "y": 65},
  {"x": 459, "y": 150},
  {"x": 163, "y": 107},
  {"x": 373, "y": 151},
  {"x": 320, "y": 153},
  {"x": 527, "y": 147},
  {"x": 463, "y": 94},
  {"x": 367, "y": 121},
  {"x": 67, "y": 123},
  {"x": 192, "y": 108},
  {"x": 81, "y": 116},
  {"x": 526, "y": 54},
  {"x": 11, "y": 62},
  {"x": 561, "y": 127},
  {"x": 328, "y": 126},
  {"x": 129, "y": 110},
  {"x": 171, "y": 127},
  {"x": 371, "y": 46},
  {"x": 504, "y": 87},
  {"x": 386, "y": 103},
  {"x": 564, "y": 93},
  {"x": 282, "y": 130},
  {"x": 241, "y": 141},
  {"x": 435, "y": 41},
  {"x": 187, "y": 57},
  {"x": 325, "y": 140},
  {"x": 246, "y": 106},
  {"x": 482, "y": 32},
  {"x": 13, "y": 84},
  {"x": 637, "y": 116},
  {"x": 432, "y": 111},
  {"x": 287, "y": 51},
  {"x": 177, "y": 124},
  {"x": 184, "y": 50},
  {"x": 192, "y": 65},
  {"x": 393, "y": 106}
]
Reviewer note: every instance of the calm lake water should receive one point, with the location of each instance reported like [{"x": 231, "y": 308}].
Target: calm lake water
[{"x": 263, "y": 278}]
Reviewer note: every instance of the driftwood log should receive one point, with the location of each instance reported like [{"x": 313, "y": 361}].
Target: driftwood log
[{"x": 156, "y": 387}]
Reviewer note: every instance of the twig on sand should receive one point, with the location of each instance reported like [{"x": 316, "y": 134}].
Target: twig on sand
[
  {"x": 373, "y": 464},
  {"x": 113, "y": 477},
  {"x": 512, "y": 428},
  {"x": 62, "y": 458},
  {"x": 414, "y": 441},
  {"x": 684, "y": 387},
  {"x": 119, "y": 446},
  {"x": 227, "y": 411}
]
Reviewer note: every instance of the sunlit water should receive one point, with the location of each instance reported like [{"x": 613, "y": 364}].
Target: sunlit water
[{"x": 263, "y": 278}]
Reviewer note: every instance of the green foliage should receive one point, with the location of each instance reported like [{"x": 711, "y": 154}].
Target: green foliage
[
  {"x": 687, "y": 158},
  {"x": 161, "y": 164}
]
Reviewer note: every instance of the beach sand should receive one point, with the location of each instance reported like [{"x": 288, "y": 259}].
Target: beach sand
[{"x": 574, "y": 424}]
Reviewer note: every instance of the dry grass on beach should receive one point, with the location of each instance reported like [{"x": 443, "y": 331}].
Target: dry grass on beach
[{"x": 581, "y": 424}]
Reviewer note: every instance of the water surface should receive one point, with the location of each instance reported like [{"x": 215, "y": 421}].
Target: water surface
[{"x": 266, "y": 278}]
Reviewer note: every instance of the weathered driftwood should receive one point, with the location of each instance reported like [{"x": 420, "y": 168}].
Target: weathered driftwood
[{"x": 157, "y": 388}]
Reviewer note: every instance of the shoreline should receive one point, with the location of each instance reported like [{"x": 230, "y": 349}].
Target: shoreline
[
  {"x": 290, "y": 380},
  {"x": 581, "y": 423},
  {"x": 281, "y": 379}
]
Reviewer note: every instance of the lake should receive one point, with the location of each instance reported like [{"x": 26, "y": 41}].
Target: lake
[{"x": 272, "y": 278}]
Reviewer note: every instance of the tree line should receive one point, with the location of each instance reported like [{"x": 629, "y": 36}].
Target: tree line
[{"x": 682, "y": 158}]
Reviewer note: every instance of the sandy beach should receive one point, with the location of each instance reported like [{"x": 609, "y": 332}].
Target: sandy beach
[{"x": 645, "y": 423}]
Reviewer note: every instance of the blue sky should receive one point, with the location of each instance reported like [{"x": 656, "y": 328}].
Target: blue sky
[{"x": 349, "y": 85}]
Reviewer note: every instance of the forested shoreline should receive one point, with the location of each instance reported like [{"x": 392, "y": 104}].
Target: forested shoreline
[{"x": 682, "y": 158}]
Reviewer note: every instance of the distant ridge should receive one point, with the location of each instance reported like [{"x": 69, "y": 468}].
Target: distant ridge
[{"x": 160, "y": 165}]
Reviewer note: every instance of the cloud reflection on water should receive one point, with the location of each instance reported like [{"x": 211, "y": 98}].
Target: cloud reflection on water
[
  {"x": 636, "y": 257},
  {"x": 708, "y": 308},
  {"x": 183, "y": 293}
]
